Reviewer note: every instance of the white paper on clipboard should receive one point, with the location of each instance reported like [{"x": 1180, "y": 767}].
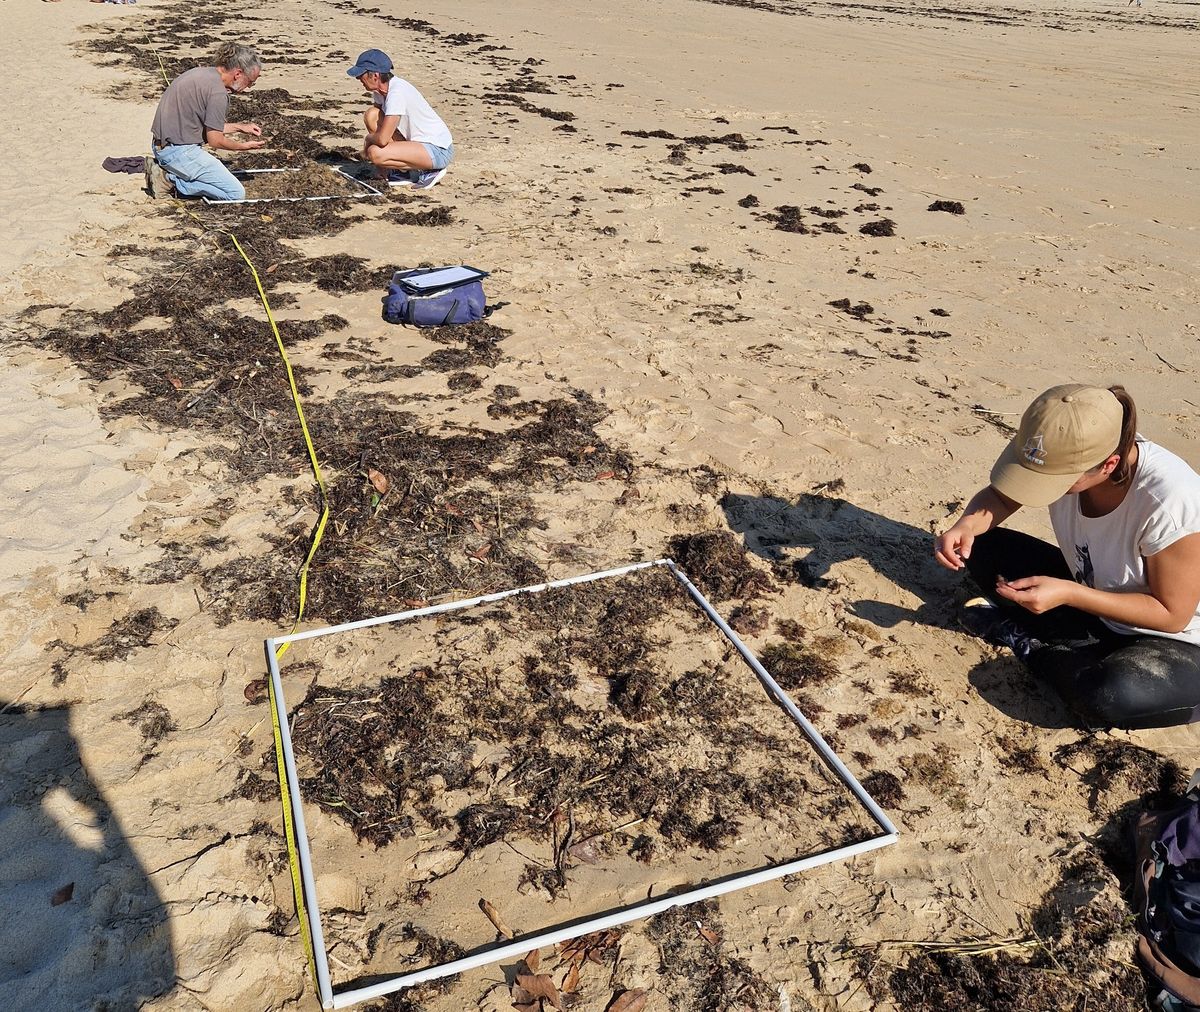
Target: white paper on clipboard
[{"x": 445, "y": 278}]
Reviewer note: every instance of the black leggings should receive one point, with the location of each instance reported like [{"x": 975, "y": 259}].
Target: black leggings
[{"x": 1110, "y": 679}]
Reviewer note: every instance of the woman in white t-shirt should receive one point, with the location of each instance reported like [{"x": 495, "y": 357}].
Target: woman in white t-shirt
[
  {"x": 1110, "y": 618},
  {"x": 406, "y": 140}
]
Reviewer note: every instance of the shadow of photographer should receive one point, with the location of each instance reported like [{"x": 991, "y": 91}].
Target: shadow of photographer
[{"x": 83, "y": 925}]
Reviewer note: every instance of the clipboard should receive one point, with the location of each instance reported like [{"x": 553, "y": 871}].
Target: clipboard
[{"x": 436, "y": 280}]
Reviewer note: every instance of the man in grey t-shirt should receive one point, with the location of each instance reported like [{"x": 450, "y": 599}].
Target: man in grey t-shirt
[{"x": 192, "y": 112}]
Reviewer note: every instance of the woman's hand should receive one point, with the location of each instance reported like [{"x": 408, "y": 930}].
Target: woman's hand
[
  {"x": 1037, "y": 593},
  {"x": 987, "y": 509},
  {"x": 953, "y": 547}
]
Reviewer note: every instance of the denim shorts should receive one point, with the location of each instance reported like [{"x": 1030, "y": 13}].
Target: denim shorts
[{"x": 441, "y": 156}]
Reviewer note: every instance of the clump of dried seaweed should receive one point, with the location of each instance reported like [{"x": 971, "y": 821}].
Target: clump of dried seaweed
[
  {"x": 720, "y": 565},
  {"x": 698, "y": 971},
  {"x": 308, "y": 180},
  {"x": 1075, "y": 958}
]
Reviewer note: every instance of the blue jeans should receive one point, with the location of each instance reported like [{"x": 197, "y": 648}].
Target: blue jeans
[{"x": 196, "y": 173}]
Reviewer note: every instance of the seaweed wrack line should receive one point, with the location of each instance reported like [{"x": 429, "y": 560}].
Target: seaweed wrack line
[{"x": 493, "y": 954}]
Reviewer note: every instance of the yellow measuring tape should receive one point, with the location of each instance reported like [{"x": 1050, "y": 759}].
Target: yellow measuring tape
[
  {"x": 284, "y": 793},
  {"x": 281, "y": 769}
]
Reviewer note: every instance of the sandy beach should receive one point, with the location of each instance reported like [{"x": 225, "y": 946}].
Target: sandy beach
[{"x": 730, "y": 330}]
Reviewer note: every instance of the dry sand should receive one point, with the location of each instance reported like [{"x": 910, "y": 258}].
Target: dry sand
[{"x": 142, "y": 561}]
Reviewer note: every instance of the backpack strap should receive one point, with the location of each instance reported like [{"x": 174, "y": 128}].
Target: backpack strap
[{"x": 1158, "y": 964}]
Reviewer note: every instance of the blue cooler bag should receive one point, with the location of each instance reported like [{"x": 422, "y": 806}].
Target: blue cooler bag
[{"x": 436, "y": 296}]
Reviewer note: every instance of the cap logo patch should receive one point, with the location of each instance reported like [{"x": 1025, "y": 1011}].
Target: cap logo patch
[{"x": 1034, "y": 452}]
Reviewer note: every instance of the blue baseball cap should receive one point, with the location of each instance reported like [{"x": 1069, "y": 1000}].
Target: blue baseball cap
[{"x": 372, "y": 60}]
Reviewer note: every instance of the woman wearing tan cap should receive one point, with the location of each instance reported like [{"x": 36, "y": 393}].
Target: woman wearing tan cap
[{"x": 1110, "y": 618}]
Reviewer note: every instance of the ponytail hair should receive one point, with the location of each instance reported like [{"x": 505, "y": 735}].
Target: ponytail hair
[{"x": 1124, "y": 448}]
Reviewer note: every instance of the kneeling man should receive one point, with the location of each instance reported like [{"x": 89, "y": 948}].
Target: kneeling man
[
  {"x": 191, "y": 112},
  {"x": 406, "y": 140}
]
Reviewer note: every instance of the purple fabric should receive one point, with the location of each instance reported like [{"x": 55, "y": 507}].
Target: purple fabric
[
  {"x": 128, "y": 163},
  {"x": 1181, "y": 836}
]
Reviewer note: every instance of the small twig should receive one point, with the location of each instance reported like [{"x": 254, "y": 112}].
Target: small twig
[
  {"x": 203, "y": 393},
  {"x": 614, "y": 829}
]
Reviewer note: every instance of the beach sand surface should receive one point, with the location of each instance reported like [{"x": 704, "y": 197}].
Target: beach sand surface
[{"x": 670, "y": 364}]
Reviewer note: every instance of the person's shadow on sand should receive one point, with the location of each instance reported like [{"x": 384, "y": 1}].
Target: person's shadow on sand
[
  {"x": 811, "y": 534},
  {"x": 82, "y": 925}
]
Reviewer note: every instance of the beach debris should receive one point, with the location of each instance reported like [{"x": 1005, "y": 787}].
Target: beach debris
[
  {"x": 629, "y": 1001},
  {"x": 570, "y": 979},
  {"x": 883, "y": 227},
  {"x": 532, "y": 992},
  {"x": 1119, "y": 772},
  {"x": 62, "y": 895},
  {"x": 591, "y": 948},
  {"x": 309, "y": 180},
  {"x": 862, "y": 167},
  {"x": 124, "y": 636},
  {"x": 750, "y": 200},
  {"x": 152, "y": 719},
  {"x": 433, "y": 218},
  {"x": 747, "y": 620},
  {"x": 255, "y": 691},
  {"x": 949, "y": 206},
  {"x": 1064, "y": 960},
  {"x": 493, "y": 915},
  {"x": 735, "y": 142},
  {"x": 719, "y": 565},
  {"x": 788, "y": 218},
  {"x": 870, "y": 191},
  {"x": 885, "y": 788},
  {"x": 795, "y": 665},
  {"x": 378, "y": 480},
  {"x": 708, "y": 934},
  {"x": 696, "y": 974},
  {"x": 859, "y": 311}
]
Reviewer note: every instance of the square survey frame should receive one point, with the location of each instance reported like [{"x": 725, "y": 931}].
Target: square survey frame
[
  {"x": 368, "y": 189},
  {"x": 730, "y": 883}
]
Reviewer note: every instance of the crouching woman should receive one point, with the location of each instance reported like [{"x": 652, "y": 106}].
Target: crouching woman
[{"x": 1111, "y": 617}]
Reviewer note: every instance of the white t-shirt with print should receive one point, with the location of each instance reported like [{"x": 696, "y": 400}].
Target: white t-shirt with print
[
  {"x": 418, "y": 121},
  {"x": 1109, "y": 552}
]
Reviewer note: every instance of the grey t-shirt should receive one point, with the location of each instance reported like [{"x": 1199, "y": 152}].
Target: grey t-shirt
[{"x": 195, "y": 101}]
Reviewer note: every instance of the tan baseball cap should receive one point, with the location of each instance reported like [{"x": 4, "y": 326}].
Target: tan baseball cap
[{"x": 1068, "y": 430}]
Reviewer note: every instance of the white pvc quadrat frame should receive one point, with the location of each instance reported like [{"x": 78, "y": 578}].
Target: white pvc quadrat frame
[
  {"x": 521, "y": 946},
  {"x": 368, "y": 189}
]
